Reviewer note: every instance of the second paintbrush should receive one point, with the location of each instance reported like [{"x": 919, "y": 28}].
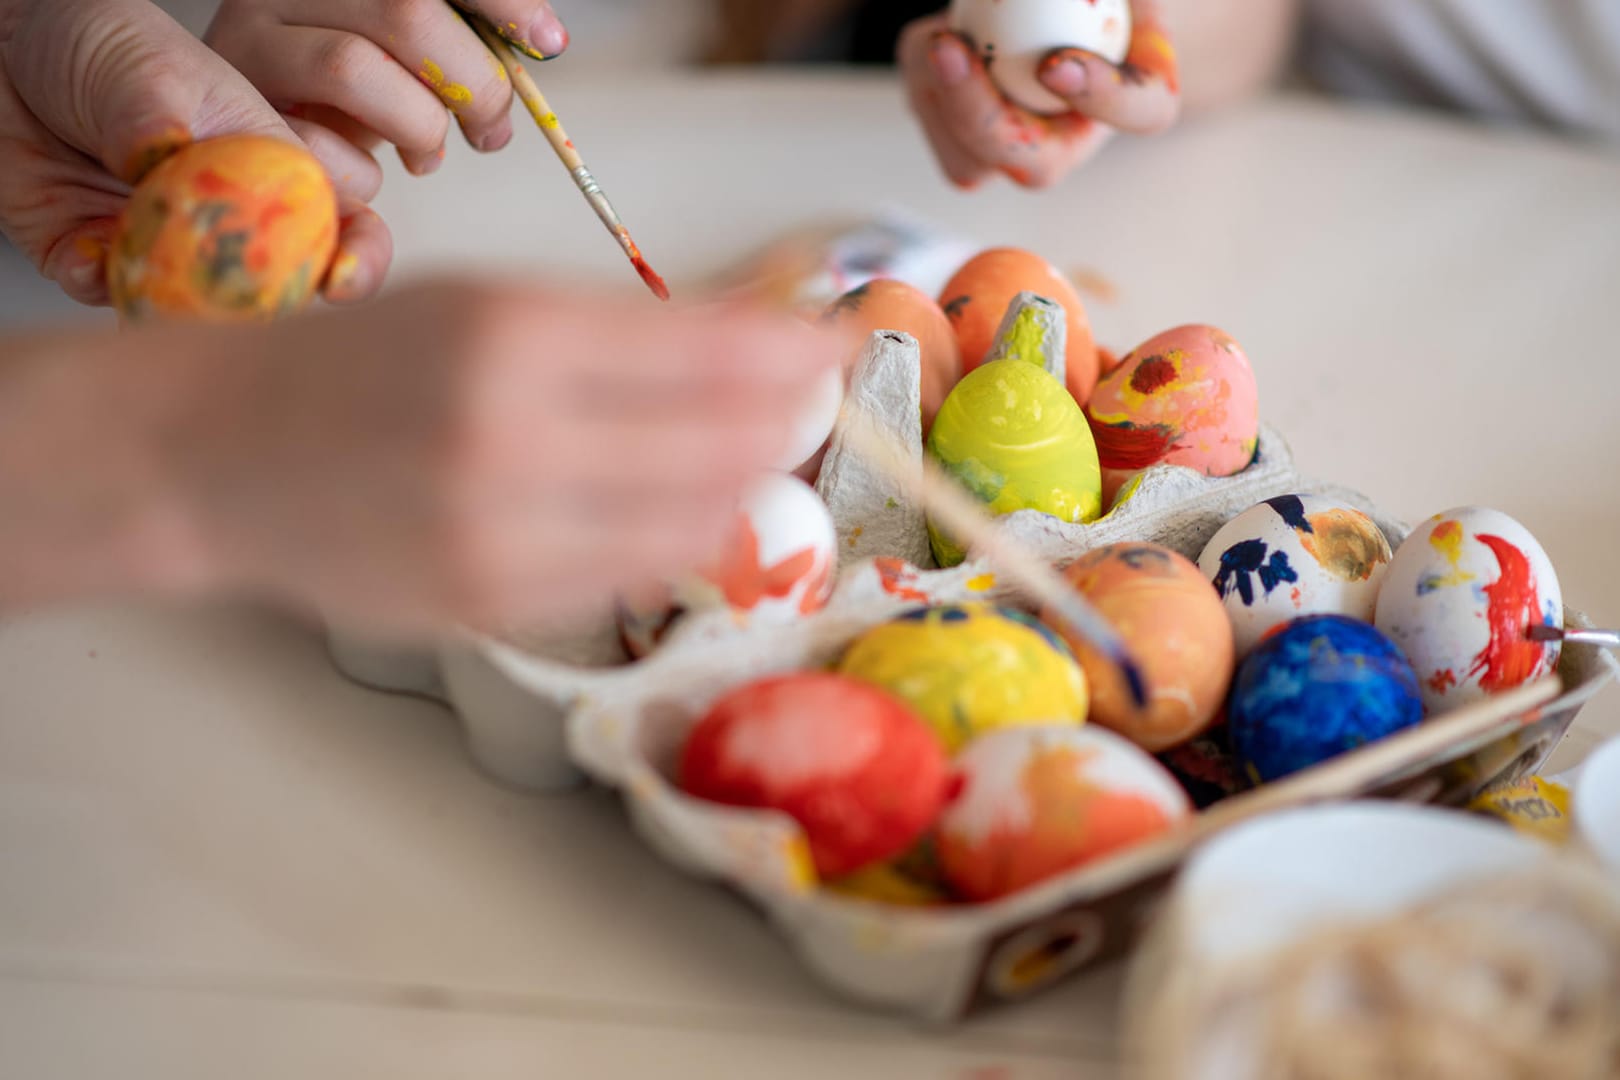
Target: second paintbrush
[{"x": 533, "y": 100}]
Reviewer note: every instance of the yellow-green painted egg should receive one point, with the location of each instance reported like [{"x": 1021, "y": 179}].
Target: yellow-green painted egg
[
  {"x": 1013, "y": 435},
  {"x": 972, "y": 668}
]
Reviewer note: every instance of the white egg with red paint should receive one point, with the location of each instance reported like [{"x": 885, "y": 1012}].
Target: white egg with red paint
[
  {"x": 776, "y": 565},
  {"x": 1459, "y": 599},
  {"x": 1293, "y": 556},
  {"x": 1014, "y": 37}
]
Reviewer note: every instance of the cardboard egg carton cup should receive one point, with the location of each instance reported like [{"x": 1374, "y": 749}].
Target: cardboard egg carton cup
[{"x": 548, "y": 713}]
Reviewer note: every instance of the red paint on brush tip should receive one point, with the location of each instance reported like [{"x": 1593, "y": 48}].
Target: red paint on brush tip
[{"x": 650, "y": 276}]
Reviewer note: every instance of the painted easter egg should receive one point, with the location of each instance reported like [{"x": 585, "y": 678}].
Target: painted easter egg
[
  {"x": 861, "y": 773},
  {"x": 1320, "y": 687},
  {"x": 976, "y": 300},
  {"x": 1174, "y": 626},
  {"x": 1187, "y": 397},
  {"x": 1015, "y": 36},
  {"x": 1292, "y": 556},
  {"x": 1036, "y": 802},
  {"x": 1012, "y": 435},
  {"x": 233, "y": 229},
  {"x": 777, "y": 565},
  {"x": 894, "y": 305},
  {"x": 1457, "y": 599},
  {"x": 971, "y": 668},
  {"x": 914, "y": 879}
]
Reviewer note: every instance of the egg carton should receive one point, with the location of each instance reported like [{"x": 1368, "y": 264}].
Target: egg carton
[{"x": 548, "y": 714}]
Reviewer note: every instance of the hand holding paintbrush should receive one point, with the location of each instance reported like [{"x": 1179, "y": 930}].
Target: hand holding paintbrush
[{"x": 529, "y": 93}]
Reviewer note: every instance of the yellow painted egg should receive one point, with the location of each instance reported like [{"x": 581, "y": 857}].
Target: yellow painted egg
[
  {"x": 894, "y": 305},
  {"x": 1013, "y": 436},
  {"x": 972, "y": 668},
  {"x": 978, "y": 295},
  {"x": 1187, "y": 397},
  {"x": 1176, "y": 628},
  {"x": 236, "y": 229}
]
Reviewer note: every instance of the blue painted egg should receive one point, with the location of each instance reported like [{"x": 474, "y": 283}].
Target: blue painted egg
[{"x": 1322, "y": 686}]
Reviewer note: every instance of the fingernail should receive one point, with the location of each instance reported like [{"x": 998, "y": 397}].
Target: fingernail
[
  {"x": 549, "y": 35},
  {"x": 492, "y": 141},
  {"x": 344, "y": 278},
  {"x": 951, "y": 62},
  {"x": 1066, "y": 76}
]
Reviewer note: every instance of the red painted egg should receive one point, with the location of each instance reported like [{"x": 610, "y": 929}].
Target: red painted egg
[
  {"x": 1038, "y": 802},
  {"x": 862, "y": 774}
]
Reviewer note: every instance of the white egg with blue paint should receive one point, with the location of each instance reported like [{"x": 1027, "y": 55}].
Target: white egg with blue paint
[
  {"x": 1459, "y": 599},
  {"x": 1293, "y": 556},
  {"x": 1013, "y": 37}
]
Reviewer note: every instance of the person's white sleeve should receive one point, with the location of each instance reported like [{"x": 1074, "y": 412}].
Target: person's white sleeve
[{"x": 1549, "y": 62}]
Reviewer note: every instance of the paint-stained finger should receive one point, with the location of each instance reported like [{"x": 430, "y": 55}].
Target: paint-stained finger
[
  {"x": 1123, "y": 97},
  {"x": 1057, "y": 158},
  {"x": 303, "y": 66},
  {"x": 365, "y": 248},
  {"x": 531, "y": 27},
  {"x": 429, "y": 40},
  {"x": 355, "y": 174}
]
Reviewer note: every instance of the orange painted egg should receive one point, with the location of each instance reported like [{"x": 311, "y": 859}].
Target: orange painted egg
[
  {"x": 229, "y": 230},
  {"x": 1037, "y": 802},
  {"x": 894, "y": 305},
  {"x": 1175, "y": 626},
  {"x": 861, "y": 773},
  {"x": 1187, "y": 397},
  {"x": 977, "y": 298}
]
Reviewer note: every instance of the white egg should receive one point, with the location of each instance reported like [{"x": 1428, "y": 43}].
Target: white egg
[
  {"x": 814, "y": 424},
  {"x": 1292, "y": 556},
  {"x": 777, "y": 566},
  {"x": 1458, "y": 598},
  {"x": 1015, "y": 36}
]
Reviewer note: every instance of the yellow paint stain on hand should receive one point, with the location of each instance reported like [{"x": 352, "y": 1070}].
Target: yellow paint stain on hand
[
  {"x": 982, "y": 583},
  {"x": 452, "y": 94},
  {"x": 343, "y": 272}
]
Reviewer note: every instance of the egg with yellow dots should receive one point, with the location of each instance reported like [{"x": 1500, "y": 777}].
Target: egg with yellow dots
[
  {"x": 1014, "y": 437},
  {"x": 236, "y": 229},
  {"x": 971, "y": 668}
]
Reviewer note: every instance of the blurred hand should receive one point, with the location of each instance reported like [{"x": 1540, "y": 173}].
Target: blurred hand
[
  {"x": 93, "y": 93},
  {"x": 351, "y": 74},
  {"x": 976, "y": 132},
  {"x": 483, "y": 455}
]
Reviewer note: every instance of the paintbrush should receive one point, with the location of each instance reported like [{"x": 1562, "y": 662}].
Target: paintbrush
[
  {"x": 1603, "y": 639},
  {"x": 951, "y": 507},
  {"x": 529, "y": 93}
]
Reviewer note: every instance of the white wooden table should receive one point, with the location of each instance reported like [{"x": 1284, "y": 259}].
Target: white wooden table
[{"x": 218, "y": 859}]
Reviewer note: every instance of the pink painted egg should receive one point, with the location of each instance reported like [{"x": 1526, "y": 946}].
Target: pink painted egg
[
  {"x": 1458, "y": 598},
  {"x": 777, "y": 566},
  {"x": 861, "y": 773},
  {"x": 1187, "y": 397},
  {"x": 1037, "y": 802}
]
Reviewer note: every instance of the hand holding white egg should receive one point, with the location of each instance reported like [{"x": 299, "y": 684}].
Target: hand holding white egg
[{"x": 1032, "y": 88}]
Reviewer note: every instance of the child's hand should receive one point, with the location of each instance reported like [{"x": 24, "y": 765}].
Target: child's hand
[
  {"x": 93, "y": 93},
  {"x": 977, "y": 132},
  {"x": 349, "y": 74}
]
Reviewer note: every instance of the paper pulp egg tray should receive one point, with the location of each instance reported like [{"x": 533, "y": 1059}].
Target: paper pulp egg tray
[{"x": 550, "y": 715}]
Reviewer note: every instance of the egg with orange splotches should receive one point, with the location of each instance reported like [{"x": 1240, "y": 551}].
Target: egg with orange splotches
[
  {"x": 1176, "y": 628},
  {"x": 862, "y": 775},
  {"x": 977, "y": 297},
  {"x": 236, "y": 229},
  {"x": 776, "y": 566},
  {"x": 893, "y": 305},
  {"x": 1033, "y": 803},
  {"x": 1187, "y": 397}
]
